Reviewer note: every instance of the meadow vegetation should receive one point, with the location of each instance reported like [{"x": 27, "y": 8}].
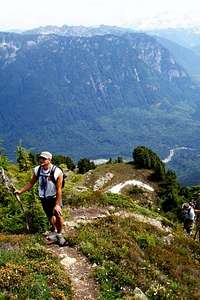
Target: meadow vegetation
[
  {"x": 131, "y": 254},
  {"x": 125, "y": 252},
  {"x": 29, "y": 271}
]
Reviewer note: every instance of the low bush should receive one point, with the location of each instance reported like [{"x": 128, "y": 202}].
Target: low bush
[
  {"x": 29, "y": 271},
  {"x": 131, "y": 254}
]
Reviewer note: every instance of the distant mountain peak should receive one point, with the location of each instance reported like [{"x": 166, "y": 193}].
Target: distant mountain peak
[
  {"x": 66, "y": 30},
  {"x": 167, "y": 20}
]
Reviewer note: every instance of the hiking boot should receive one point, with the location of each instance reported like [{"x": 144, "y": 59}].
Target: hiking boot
[
  {"x": 61, "y": 240},
  {"x": 52, "y": 236}
]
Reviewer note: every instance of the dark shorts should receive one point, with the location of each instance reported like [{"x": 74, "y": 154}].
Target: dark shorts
[
  {"x": 48, "y": 205},
  {"x": 188, "y": 225}
]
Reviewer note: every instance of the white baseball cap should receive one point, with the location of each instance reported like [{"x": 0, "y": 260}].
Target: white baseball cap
[{"x": 46, "y": 154}]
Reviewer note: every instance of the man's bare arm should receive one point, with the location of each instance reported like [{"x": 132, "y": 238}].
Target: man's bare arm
[
  {"x": 59, "y": 194},
  {"x": 28, "y": 186}
]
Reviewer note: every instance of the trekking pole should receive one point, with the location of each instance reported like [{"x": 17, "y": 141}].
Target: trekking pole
[
  {"x": 6, "y": 181},
  {"x": 21, "y": 205}
]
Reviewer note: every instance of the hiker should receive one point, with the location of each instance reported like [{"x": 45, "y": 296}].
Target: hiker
[
  {"x": 188, "y": 217},
  {"x": 50, "y": 180},
  {"x": 197, "y": 221},
  {"x": 197, "y": 206}
]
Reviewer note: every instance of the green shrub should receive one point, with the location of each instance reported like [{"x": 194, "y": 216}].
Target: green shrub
[
  {"x": 145, "y": 158},
  {"x": 13, "y": 219},
  {"x": 135, "y": 190},
  {"x": 24, "y": 158},
  {"x": 29, "y": 271},
  {"x": 84, "y": 165},
  {"x": 146, "y": 240}
]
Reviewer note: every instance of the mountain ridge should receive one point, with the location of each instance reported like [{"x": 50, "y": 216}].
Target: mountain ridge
[{"x": 94, "y": 96}]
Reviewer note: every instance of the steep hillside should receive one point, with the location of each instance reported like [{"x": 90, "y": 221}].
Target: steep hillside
[
  {"x": 93, "y": 96},
  {"x": 186, "y": 37},
  {"x": 119, "y": 244},
  {"x": 187, "y": 58}
]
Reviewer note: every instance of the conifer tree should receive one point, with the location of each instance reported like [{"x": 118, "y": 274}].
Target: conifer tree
[
  {"x": 23, "y": 158},
  {"x": 3, "y": 158},
  {"x": 84, "y": 165},
  {"x": 147, "y": 159}
]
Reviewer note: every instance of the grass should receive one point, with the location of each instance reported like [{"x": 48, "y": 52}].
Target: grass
[
  {"x": 29, "y": 271},
  {"x": 127, "y": 253},
  {"x": 131, "y": 254},
  {"x": 116, "y": 201},
  {"x": 121, "y": 172}
]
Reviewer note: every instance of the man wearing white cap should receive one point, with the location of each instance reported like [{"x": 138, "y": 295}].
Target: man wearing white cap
[{"x": 50, "y": 180}]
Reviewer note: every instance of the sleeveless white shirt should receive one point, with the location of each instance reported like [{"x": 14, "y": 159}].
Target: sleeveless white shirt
[{"x": 50, "y": 188}]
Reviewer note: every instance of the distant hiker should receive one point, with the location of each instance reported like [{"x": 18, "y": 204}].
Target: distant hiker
[
  {"x": 188, "y": 217},
  {"x": 197, "y": 222},
  {"x": 197, "y": 219},
  {"x": 50, "y": 180},
  {"x": 197, "y": 202}
]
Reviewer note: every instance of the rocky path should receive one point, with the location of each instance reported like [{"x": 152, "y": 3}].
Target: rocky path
[
  {"x": 80, "y": 272},
  {"x": 88, "y": 215},
  {"x": 78, "y": 267}
]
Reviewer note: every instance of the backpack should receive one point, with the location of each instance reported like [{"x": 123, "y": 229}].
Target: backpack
[
  {"x": 51, "y": 175},
  {"x": 186, "y": 214}
]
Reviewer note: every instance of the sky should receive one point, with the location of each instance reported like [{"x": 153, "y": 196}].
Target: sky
[{"x": 26, "y": 14}]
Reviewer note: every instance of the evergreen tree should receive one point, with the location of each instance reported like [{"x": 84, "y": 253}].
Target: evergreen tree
[
  {"x": 84, "y": 165},
  {"x": 170, "y": 192},
  {"x": 61, "y": 159},
  {"x": 119, "y": 159},
  {"x": 110, "y": 161},
  {"x": 24, "y": 158},
  {"x": 146, "y": 158},
  {"x": 33, "y": 158},
  {"x": 3, "y": 158}
]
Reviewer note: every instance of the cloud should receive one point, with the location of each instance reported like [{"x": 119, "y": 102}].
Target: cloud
[{"x": 32, "y": 13}]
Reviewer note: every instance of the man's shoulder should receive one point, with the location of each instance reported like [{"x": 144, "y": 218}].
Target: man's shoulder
[
  {"x": 35, "y": 170},
  {"x": 57, "y": 170}
]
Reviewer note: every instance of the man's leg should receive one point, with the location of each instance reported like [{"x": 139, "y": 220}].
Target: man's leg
[
  {"x": 188, "y": 226},
  {"x": 59, "y": 226},
  {"x": 52, "y": 221},
  {"x": 58, "y": 222},
  {"x": 48, "y": 206}
]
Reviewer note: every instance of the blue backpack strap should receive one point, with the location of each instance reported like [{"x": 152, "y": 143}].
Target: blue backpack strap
[
  {"x": 43, "y": 184},
  {"x": 51, "y": 173}
]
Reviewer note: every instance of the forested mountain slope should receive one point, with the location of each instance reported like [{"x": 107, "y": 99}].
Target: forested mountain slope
[{"x": 94, "y": 96}]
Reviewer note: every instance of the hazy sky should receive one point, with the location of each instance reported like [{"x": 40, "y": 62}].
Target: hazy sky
[{"x": 22, "y": 14}]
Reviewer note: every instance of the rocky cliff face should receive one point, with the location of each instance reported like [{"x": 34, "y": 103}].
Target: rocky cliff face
[
  {"x": 78, "y": 30},
  {"x": 79, "y": 95}
]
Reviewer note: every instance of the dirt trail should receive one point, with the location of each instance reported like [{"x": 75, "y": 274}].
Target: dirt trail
[
  {"x": 88, "y": 215},
  {"x": 79, "y": 270},
  {"x": 78, "y": 267}
]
